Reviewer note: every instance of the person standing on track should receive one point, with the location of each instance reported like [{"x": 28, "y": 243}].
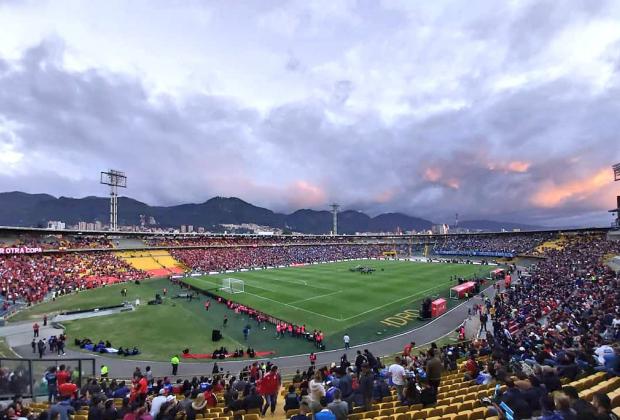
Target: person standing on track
[
  {"x": 175, "y": 364},
  {"x": 347, "y": 341}
]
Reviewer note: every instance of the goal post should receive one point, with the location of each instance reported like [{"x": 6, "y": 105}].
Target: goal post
[{"x": 231, "y": 285}]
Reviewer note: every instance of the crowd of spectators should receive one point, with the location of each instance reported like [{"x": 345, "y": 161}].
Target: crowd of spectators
[
  {"x": 30, "y": 277},
  {"x": 219, "y": 259},
  {"x": 505, "y": 243},
  {"x": 556, "y": 323},
  {"x": 57, "y": 242}
]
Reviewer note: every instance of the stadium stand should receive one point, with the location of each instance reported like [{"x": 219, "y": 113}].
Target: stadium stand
[
  {"x": 29, "y": 278},
  {"x": 553, "y": 351},
  {"x": 155, "y": 263}
]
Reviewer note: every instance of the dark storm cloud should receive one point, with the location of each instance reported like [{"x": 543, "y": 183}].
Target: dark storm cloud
[{"x": 492, "y": 158}]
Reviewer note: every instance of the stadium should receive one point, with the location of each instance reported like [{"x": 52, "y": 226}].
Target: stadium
[
  {"x": 131, "y": 300},
  {"x": 319, "y": 210}
]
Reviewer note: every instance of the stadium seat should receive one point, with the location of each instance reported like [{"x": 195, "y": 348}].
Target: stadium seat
[
  {"x": 371, "y": 414},
  {"x": 478, "y": 413},
  {"x": 291, "y": 413},
  {"x": 401, "y": 409},
  {"x": 450, "y": 409},
  {"x": 418, "y": 415},
  {"x": 251, "y": 417},
  {"x": 402, "y": 416},
  {"x": 386, "y": 412}
]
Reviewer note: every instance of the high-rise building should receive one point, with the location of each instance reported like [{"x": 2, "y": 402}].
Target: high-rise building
[
  {"x": 81, "y": 225},
  {"x": 55, "y": 224},
  {"x": 98, "y": 225},
  {"x": 90, "y": 226},
  {"x": 183, "y": 229},
  {"x": 190, "y": 228}
]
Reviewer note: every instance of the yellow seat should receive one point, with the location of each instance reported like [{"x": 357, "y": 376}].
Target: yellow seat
[
  {"x": 251, "y": 417},
  {"x": 418, "y": 415},
  {"x": 434, "y": 412},
  {"x": 415, "y": 407},
  {"x": 291, "y": 413},
  {"x": 386, "y": 412},
  {"x": 402, "y": 416},
  {"x": 357, "y": 416},
  {"x": 478, "y": 413},
  {"x": 371, "y": 414},
  {"x": 451, "y": 409},
  {"x": 401, "y": 409}
]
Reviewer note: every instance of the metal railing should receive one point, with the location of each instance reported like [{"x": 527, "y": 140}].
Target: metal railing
[{"x": 26, "y": 377}]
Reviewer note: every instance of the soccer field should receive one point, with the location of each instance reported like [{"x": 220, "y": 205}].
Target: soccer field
[
  {"x": 323, "y": 296},
  {"x": 331, "y": 298}
]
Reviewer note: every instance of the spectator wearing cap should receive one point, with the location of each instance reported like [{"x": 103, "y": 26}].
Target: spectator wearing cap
[
  {"x": 109, "y": 411},
  {"x": 157, "y": 402},
  {"x": 197, "y": 406}
]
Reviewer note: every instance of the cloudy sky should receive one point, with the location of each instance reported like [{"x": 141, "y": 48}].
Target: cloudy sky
[{"x": 507, "y": 110}]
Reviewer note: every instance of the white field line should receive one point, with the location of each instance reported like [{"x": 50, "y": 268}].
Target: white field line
[
  {"x": 315, "y": 297},
  {"x": 292, "y": 306},
  {"x": 392, "y": 302}
]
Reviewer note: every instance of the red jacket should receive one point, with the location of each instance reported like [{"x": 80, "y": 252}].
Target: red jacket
[{"x": 270, "y": 384}]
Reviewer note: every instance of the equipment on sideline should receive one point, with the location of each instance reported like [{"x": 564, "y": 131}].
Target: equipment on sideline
[
  {"x": 216, "y": 335},
  {"x": 231, "y": 285}
]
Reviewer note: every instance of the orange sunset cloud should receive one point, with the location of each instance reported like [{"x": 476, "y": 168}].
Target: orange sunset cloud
[{"x": 553, "y": 195}]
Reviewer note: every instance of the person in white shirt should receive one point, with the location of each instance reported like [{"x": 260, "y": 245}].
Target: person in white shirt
[
  {"x": 396, "y": 372},
  {"x": 346, "y": 340},
  {"x": 157, "y": 402}
]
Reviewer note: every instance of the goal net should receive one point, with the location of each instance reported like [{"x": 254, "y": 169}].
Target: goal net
[{"x": 231, "y": 285}]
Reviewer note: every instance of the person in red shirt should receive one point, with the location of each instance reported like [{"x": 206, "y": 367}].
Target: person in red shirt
[
  {"x": 67, "y": 389},
  {"x": 35, "y": 329},
  {"x": 269, "y": 387},
  {"x": 62, "y": 376},
  {"x": 143, "y": 388},
  {"x": 408, "y": 348},
  {"x": 471, "y": 367},
  {"x": 312, "y": 358}
]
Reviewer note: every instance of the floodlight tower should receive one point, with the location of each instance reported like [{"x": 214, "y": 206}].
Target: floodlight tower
[
  {"x": 335, "y": 207},
  {"x": 616, "y": 169},
  {"x": 115, "y": 179}
]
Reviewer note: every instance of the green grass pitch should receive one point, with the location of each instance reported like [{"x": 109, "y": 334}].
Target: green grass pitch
[{"x": 323, "y": 296}]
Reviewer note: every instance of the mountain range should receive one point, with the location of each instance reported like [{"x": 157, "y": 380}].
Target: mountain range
[{"x": 34, "y": 210}]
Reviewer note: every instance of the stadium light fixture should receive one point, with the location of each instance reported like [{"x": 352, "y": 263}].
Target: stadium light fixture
[
  {"x": 335, "y": 207},
  {"x": 115, "y": 179},
  {"x": 616, "y": 169}
]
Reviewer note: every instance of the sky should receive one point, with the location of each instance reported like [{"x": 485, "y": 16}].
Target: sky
[{"x": 502, "y": 110}]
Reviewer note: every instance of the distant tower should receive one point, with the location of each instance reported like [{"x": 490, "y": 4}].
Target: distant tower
[
  {"x": 335, "y": 207},
  {"x": 456, "y": 221},
  {"x": 115, "y": 179}
]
